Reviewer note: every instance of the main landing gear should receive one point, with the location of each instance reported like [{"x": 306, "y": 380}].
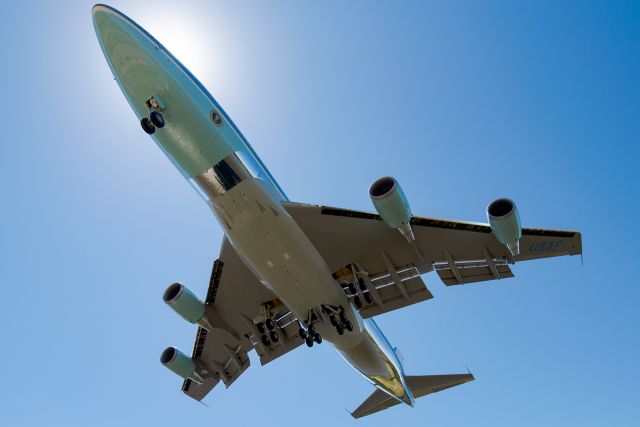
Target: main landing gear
[
  {"x": 155, "y": 120},
  {"x": 338, "y": 319},
  {"x": 353, "y": 292},
  {"x": 310, "y": 335},
  {"x": 267, "y": 329}
]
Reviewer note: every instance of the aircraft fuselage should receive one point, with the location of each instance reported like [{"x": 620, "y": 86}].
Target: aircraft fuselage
[{"x": 211, "y": 153}]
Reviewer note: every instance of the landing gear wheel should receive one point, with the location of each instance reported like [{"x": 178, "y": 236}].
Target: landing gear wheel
[
  {"x": 343, "y": 317},
  {"x": 157, "y": 119},
  {"x": 357, "y": 302},
  {"x": 147, "y": 126},
  {"x": 333, "y": 321},
  {"x": 309, "y": 341},
  {"x": 361, "y": 284},
  {"x": 311, "y": 330},
  {"x": 274, "y": 336},
  {"x": 261, "y": 328},
  {"x": 270, "y": 324},
  {"x": 352, "y": 288},
  {"x": 317, "y": 338},
  {"x": 340, "y": 330},
  {"x": 368, "y": 298},
  {"x": 348, "y": 326},
  {"x": 302, "y": 333},
  {"x": 265, "y": 340}
]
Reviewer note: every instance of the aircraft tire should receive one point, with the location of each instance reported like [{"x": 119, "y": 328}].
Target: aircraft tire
[
  {"x": 348, "y": 326},
  {"x": 157, "y": 119},
  {"x": 270, "y": 324},
  {"x": 343, "y": 317},
  {"x": 317, "y": 338},
  {"x": 352, "y": 288},
  {"x": 265, "y": 340},
  {"x": 147, "y": 125},
  {"x": 309, "y": 341},
  {"x": 274, "y": 336},
  {"x": 357, "y": 302},
  {"x": 368, "y": 298}
]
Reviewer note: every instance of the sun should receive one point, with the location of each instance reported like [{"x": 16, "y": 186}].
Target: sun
[{"x": 186, "y": 36}]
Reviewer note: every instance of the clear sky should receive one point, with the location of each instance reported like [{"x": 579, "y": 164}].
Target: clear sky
[{"x": 463, "y": 102}]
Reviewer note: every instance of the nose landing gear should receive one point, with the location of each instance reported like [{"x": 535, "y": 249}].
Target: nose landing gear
[
  {"x": 155, "y": 119},
  {"x": 147, "y": 125}
]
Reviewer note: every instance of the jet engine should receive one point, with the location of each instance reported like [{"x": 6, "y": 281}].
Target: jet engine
[
  {"x": 184, "y": 302},
  {"x": 505, "y": 223},
  {"x": 392, "y": 205},
  {"x": 180, "y": 364}
]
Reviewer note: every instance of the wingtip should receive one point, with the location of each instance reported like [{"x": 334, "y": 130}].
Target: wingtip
[
  {"x": 350, "y": 413},
  {"x": 469, "y": 372}
]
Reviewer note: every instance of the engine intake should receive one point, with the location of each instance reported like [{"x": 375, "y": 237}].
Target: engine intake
[
  {"x": 184, "y": 302},
  {"x": 505, "y": 223},
  {"x": 392, "y": 205},
  {"x": 180, "y": 364}
]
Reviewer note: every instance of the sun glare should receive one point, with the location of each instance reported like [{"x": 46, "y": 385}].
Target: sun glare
[{"x": 186, "y": 37}]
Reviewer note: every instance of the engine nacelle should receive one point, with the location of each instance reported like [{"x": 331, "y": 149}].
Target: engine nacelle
[
  {"x": 180, "y": 364},
  {"x": 505, "y": 224},
  {"x": 392, "y": 205},
  {"x": 184, "y": 302}
]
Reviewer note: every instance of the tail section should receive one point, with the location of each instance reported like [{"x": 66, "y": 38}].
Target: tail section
[{"x": 419, "y": 385}]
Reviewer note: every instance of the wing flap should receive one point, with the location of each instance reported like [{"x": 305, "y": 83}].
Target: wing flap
[
  {"x": 392, "y": 298},
  {"x": 465, "y": 272}
]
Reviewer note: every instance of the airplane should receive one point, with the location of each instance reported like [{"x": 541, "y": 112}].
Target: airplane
[{"x": 292, "y": 273}]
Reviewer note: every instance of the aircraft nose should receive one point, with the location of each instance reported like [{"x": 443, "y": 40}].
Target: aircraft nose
[
  {"x": 101, "y": 11},
  {"x": 106, "y": 18}
]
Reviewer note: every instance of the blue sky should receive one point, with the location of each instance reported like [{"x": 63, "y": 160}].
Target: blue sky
[{"x": 462, "y": 102}]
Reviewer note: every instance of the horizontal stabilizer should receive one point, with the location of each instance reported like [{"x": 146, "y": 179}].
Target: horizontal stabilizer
[{"x": 419, "y": 385}]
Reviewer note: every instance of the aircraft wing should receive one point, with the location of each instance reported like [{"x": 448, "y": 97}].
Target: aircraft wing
[
  {"x": 239, "y": 301},
  {"x": 360, "y": 244}
]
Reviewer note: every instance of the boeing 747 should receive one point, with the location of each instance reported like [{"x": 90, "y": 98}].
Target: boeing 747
[{"x": 291, "y": 274}]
